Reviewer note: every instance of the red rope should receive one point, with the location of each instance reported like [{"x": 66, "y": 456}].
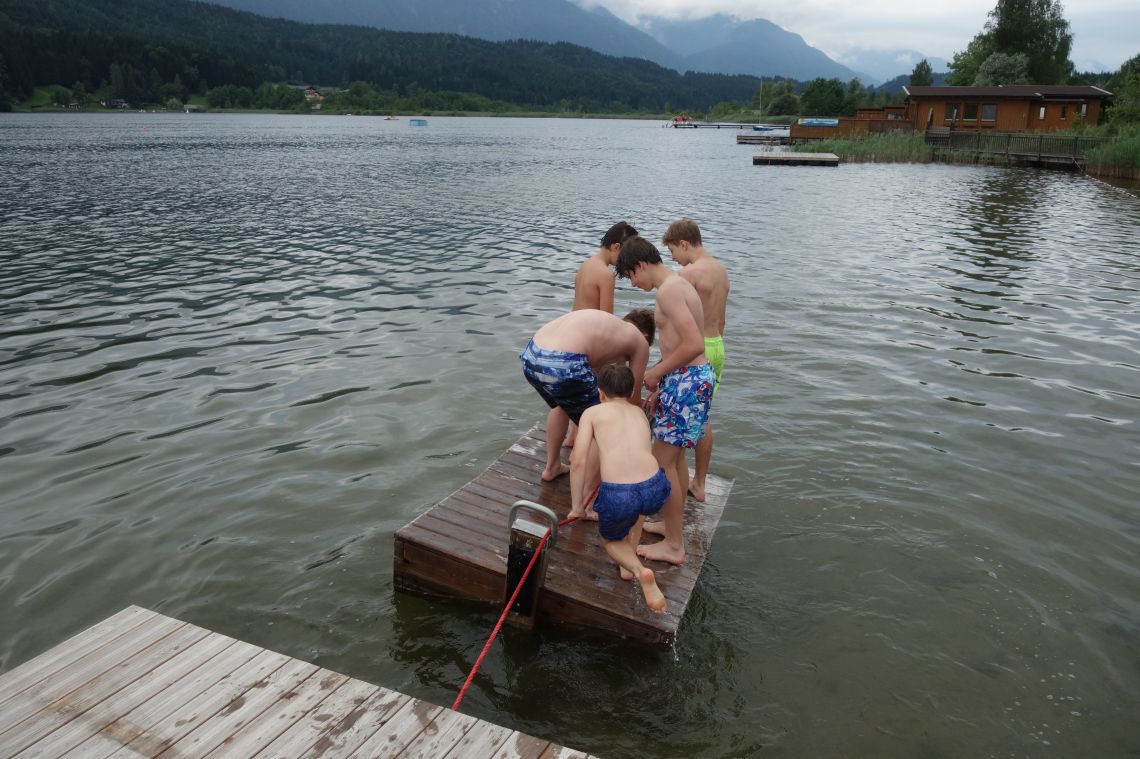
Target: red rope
[{"x": 511, "y": 602}]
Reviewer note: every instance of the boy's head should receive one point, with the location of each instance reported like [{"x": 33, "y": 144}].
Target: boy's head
[
  {"x": 615, "y": 381},
  {"x": 634, "y": 252},
  {"x": 682, "y": 230},
  {"x": 642, "y": 318},
  {"x": 617, "y": 234}
]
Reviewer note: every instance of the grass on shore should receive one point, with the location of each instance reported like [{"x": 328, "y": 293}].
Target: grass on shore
[{"x": 1121, "y": 157}]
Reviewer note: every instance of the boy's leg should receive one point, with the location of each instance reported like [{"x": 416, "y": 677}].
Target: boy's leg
[
  {"x": 703, "y": 457},
  {"x": 621, "y": 551},
  {"x": 556, "y": 423},
  {"x": 571, "y": 435},
  {"x": 672, "y": 549}
]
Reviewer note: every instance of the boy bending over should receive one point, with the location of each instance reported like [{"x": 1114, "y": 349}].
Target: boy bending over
[{"x": 633, "y": 484}]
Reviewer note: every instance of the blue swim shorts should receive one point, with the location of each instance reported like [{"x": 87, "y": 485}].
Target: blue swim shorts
[
  {"x": 562, "y": 379},
  {"x": 683, "y": 401},
  {"x": 619, "y": 504}
]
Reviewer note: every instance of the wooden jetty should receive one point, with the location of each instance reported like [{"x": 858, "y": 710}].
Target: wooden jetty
[
  {"x": 795, "y": 159},
  {"x": 458, "y": 549},
  {"x": 763, "y": 139},
  {"x": 143, "y": 684}
]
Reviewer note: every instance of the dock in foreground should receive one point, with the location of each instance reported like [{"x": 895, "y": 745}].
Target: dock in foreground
[
  {"x": 458, "y": 549},
  {"x": 143, "y": 684},
  {"x": 795, "y": 159}
]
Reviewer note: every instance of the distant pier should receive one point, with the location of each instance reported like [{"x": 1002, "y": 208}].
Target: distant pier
[{"x": 795, "y": 159}]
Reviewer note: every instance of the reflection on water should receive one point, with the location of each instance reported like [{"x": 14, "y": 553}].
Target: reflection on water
[{"x": 238, "y": 353}]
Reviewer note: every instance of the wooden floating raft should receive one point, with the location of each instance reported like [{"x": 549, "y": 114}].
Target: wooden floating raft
[
  {"x": 459, "y": 549},
  {"x": 763, "y": 139},
  {"x": 140, "y": 684},
  {"x": 795, "y": 159}
]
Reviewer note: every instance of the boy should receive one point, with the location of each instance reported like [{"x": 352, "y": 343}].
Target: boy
[
  {"x": 633, "y": 485},
  {"x": 594, "y": 282},
  {"x": 683, "y": 381},
  {"x": 559, "y": 362},
  {"x": 709, "y": 277}
]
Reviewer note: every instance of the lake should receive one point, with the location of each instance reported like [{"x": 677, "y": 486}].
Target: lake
[{"x": 238, "y": 352}]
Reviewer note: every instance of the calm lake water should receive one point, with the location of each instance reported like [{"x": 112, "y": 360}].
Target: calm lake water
[{"x": 238, "y": 352}]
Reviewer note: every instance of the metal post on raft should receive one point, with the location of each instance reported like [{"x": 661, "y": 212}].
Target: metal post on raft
[{"x": 525, "y": 536}]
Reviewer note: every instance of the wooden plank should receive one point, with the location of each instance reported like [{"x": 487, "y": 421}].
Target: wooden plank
[
  {"x": 795, "y": 159},
  {"x": 444, "y": 733},
  {"x": 521, "y": 746},
  {"x": 399, "y": 731},
  {"x": 39, "y": 695},
  {"x": 13, "y": 682},
  {"x": 73, "y": 706},
  {"x": 291, "y": 705},
  {"x": 359, "y": 725},
  {"x": 482, "y": 739},
  {"x": 319, "y": 723}
]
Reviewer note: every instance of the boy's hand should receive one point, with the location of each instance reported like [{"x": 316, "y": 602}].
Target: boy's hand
[{"x": 652, "y": 379}]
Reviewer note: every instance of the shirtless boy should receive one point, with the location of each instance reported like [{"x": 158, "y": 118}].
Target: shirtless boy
[
  {"x": 594, "y": 282},
  {"x": 633, "y": 485},
  {"x": 683, "y": 380},
  {"x": 708, "y": 276},
  {"x": 561, "y": 358}
]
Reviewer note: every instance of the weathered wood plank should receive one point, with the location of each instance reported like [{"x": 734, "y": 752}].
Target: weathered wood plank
[
  {"x": 403, "y": 728},
  {"x": 318, "y": 723},
  {"x": 359, "y": 725},
  {"x": 445, "y": 732},
  {"x": 481, "y": 739},
  {"x": 522, "y": 746}
]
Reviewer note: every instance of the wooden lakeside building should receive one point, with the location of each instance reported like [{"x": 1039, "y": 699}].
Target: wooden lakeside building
[
  {"x": 143, "y": 684},
  {"x": 458, "y": 549}
]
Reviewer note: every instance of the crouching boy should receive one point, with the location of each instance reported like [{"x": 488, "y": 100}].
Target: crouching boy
[{"x": 633, "y": 485}]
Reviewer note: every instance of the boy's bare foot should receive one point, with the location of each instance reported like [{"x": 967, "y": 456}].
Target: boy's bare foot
[
  {"x": 568, "y": 442},
  {"x": 548, "y": 475},
  {"x": 625, "y": 574},
  {"x": 654, "y": 598},
  {"x": 590, "y": 515},
  {"x": 661, "y": 552},
  {"x": 697, "y": 492},
  {"x": 654, "y": 528}
]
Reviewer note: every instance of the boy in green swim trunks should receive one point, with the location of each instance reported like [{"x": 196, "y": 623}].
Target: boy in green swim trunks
[
  {"x": 709, "y": 277},
  {"x": 633, "y": 485}
]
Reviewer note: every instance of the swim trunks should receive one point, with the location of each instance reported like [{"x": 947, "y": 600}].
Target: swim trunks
[
  {"x": 620, "y": 504},
  {"x": 714, "y": 352},
  {"x": 562, "y": 379},
  {"x": 683, "y": 401}
]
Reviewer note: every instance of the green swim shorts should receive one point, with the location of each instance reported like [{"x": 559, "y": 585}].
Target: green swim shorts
[{"x": 714, "y": 352}]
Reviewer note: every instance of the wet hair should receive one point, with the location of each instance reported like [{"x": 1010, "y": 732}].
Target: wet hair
[
  {"x": 642, "y": 318},
  {"x": 682, "y": 230},
  {"x": 634, "y": 251},
  {"x": 618, "y": 233},
  {"x": 616, "y": 381}
]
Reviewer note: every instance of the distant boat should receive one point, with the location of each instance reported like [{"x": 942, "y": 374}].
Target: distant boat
[
  {"x": 418, "y": 122},
  {"x": 391, "y": 118}
]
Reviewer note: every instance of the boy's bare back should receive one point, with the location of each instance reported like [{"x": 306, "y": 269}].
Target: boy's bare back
[
  {"x": 621, "y": 432},
  {"x": 594, "y": 285},
  {"x": 710, "y": 279}
]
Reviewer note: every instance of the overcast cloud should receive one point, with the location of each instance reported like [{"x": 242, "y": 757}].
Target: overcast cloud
[{"x": 1106, "y": 32}]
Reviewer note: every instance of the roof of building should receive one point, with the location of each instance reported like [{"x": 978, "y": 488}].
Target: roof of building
[{"x": 1039, "y": 91}]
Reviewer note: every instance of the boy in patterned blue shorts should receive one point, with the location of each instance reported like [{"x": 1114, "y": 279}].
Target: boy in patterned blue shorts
[
  {"x": 615, "y": 434},
  {"x": 560, "y": 359},
  {"x": 683, "y": 382}
]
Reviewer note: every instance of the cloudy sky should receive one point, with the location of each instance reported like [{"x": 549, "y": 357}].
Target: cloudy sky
[{"x": 1105, "y": 32}]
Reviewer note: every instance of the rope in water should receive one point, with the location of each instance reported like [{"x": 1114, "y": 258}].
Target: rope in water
[{"x": 511, "y": 602}]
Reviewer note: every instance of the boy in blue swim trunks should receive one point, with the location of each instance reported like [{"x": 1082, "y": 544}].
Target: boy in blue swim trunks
[
  {"x": 683, "y": 381},
  {"x": 615, "y": 435},
  {"x": 559, "y": 362}
]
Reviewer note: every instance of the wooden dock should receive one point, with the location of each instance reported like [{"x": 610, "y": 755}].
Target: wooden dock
[
  {"x": 143, "y": 684},
  {"x": 763, "y": 139},
  {"x": 458, "y": 549},
  {"x": 795, "y": 159}
]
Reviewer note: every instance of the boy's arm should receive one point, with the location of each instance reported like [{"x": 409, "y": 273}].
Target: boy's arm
[
  {"x": 638, "y": 360},
  {"x": 606, "y": 292},
  {"x": 579, "y": 455},
  {"x": 690, "y": 342}
]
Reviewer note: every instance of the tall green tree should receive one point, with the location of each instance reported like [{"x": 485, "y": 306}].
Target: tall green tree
[
  {"x": 822, "y": 97},
  {"x": 922, "y": 75},
  {"x": 1036, "y": 28},
  {"x": 1003, "y": 68},
  {"x": 964, "y": 67}
]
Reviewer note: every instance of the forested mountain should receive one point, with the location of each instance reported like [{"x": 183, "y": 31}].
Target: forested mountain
[
  {"x": 495, "y": 20},
  {"x": 66, "y": 41},
  {"x": 727, "y": 45}
]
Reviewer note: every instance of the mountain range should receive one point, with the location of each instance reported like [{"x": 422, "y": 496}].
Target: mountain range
[{"x": 715, "y": 44}]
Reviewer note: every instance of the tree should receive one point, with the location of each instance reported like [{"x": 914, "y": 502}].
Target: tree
[
  {"x": 784, "y": 104},
  {"x": 923, "y": 74},
  {"x": 964, "y": 67},
  {"x": 1003, "y": 68},
  {"x": 1036, "y": 28},
  {"x": 822, "y": 97}
]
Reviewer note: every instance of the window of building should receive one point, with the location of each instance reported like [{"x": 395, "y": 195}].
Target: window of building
[
  {"x": 989, "y": 112},
  {"x": 952, "y": 111},
  {"x": 1084, "y": 110},
  {"x": 1041, "y": 113},
  {"x": 1064, "y": 112},
  {"x": 970, "y": 112}
]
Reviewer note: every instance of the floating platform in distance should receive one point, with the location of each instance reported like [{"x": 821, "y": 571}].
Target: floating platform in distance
[
  {"x": 458, "y": 549},
  {"x": 140, "y": 684},
  {"x": 763, "y": 139},
  {"x": 795, "y": 159}
]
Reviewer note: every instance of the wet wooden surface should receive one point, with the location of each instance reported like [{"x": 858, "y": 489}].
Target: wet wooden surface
[
  {"x": 143, "y": 684},
  {"x": 458, "y": 549}
]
